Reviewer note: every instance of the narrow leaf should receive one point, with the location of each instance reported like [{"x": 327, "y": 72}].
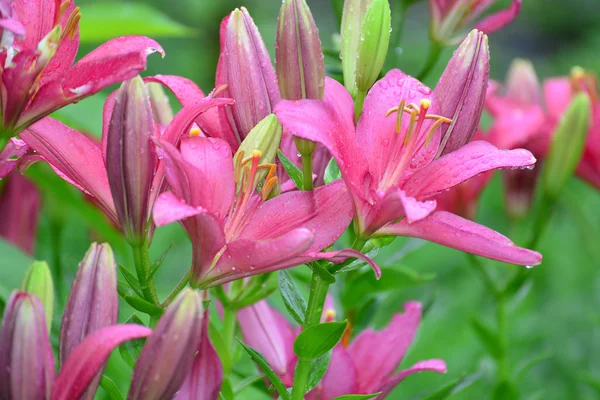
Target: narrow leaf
[
  {"x": 292, "y": 170},
  {"x": 292, "y": 298},
  {"x": 131, "y": 280},
  {"x": 110, "y": 388},
  {"x": 317, "y": 370},
  {"x": 316, "y": 340},
  {"x": 452, "y": 388},
  {"x": 158, "y": 262},
  {"x": 266, "y": 368},
  {"x": 488, "y": 338},
  {"x": 332, "y": 172},
  {"x": 130, "y": 351}
]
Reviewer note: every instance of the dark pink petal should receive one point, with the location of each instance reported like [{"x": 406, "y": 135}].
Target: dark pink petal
[
  {"x": 74, "y": 156},
  {"x": 168, "y": 208},
  {"x": 19, "y": 212},
  {"x": 10, "y": 155},
  {"x": 438, "y": 366},
  {"x": 467, "y": 162},
  {"x": 273, "y": 337},
  {"x": 376, "y": 133},
  {"x": 208, "y": 239},
  {"x": 500, "y": 19},
  {"x": 186, "y": 91},
  {"x": 340, "y": 378},
  {"x": 397, "y": 204},
  {"x": 85, "y": 361},
  {"x": 384, "y": 350},
  {"x": 453, "y": 231},
  {"x": 38, "y": 16},
  {"x": 204, "y": 380},
  {"x": 326, "y": 210}
]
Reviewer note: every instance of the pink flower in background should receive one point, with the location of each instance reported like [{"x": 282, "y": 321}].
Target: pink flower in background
[
  {"x": 366, "y": 364},
  {"x": 389, "y": 162},
  {"x": 236, "y": 231},
  {"x": 19, "y": 212},
  {"x": 451, "y": 17},
  {"x": 38, "y": 74}
]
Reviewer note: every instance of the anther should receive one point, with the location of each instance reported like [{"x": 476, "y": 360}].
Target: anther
[
  {"x": 217, "y": 90},
  {"x": 72, "y": 23},
  {"x": 194, "y": 132},
  {"x": 63, "y": 7}
]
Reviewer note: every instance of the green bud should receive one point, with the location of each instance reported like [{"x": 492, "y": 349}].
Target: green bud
[
  {"x": 567, "y": 146},
  {"x": 264, "y": 137},
  {"x": 373, "y": 45},
  {"x": 161, "y": 109},
  {"x": 354, "y": 11},
  {"x": 38, "y": 281}
]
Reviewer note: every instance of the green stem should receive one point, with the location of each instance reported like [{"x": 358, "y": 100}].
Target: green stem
[
  {"x": 541, "y": 221},
  {"x": 229, "y": 323},
  {"x": 502, "y": 321},
  {"x": 314, "y": 310},
  {"x": 435, "y": 50},
  {"x": 182, "y": 284},
  {"x": 307, "y": 171},
  {"x": 55, "y": 238},
  {"x": 359, "y": 102},
  {"x": 141, "y": 258}
]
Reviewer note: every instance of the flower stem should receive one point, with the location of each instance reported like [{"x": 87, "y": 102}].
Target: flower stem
[
  {"x": 182, "y": 283},
  {"x": 229, "y": 323},
  {"x": 307, "y": 171},
  {"x": 141, "y": 258},
  {"x": 359, "y": 102},
  {"x": 502, "y": 321},
  {"x": 435, "y": 50},
  {"x": 314, "y": 310}
]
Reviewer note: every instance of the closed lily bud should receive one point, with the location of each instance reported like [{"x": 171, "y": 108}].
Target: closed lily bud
[
  {"x": 373, "y": 43},
  {"x": 92, "y": 305},
  {"x": 161, "y": 109},
  {"x": 461, "y": 91},
  {"x": 26, "y": 360},
  {"x": 168, "y": 355},
  {"x": 298, "y": 54},
  {"x": 131, "y": 158},
  {"x": 352, "y": 16},
  {"x": 567, "y": 146},
  {"x": 264, "y": 137},
  {"x": 38, "y": 281},
  {"x": 246, "y": 68}
]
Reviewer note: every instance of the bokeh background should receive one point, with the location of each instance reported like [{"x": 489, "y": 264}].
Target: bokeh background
[{"x": 555, "y": 323}]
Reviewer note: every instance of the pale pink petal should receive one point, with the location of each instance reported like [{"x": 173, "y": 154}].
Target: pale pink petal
[
  {"x": 438, "y": 366},
  {"x": 13, "y": 25},
  {"x": 83, "y": 364},
  {"x": 384, "y": 350},
  {"x": 465, "y": 163},
  {"x": 326, "y": 210},
  {"x": 77, "y": 157},
  {"x": 500, "y": 19},
  {"x": 168, "y": 208},
  {"x": 11, "y": 154},
  {"x": 273, "y": 337},
  {"x": 453, "y": 231}
]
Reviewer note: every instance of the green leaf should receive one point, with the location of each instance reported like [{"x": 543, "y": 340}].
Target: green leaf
[
  {"x": 452, "y": 388},
  {"x": 266, "y": 368},
  {"x": 131, "y": 280},
  {"x": 292, "y": 298},
  {"x": 292, "y": 170},
  {"x": 243, "y": 384},
  {"x": 357, "y": 396},
  {"x": 137, "y": 302},
  {"x": 488, "y": 338},
  {"x": 227, "y": 390},
  {"x": 131, "y": 349},
  {"x": 316, "y": 340},
  {"x": 332, "y": 172},
  {"x": 110, "y": 388},
  {"x": 105, "y": 20},
  {"x": 13, "y": 265},
  {"x": 158, "y": 262},
  {"x": 317, "y": 370}
]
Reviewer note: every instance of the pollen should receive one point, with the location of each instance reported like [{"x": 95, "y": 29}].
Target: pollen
[
  {"x": 195, "y": 132},
  {"x": 329, "y": 315},
  {"x": 72, "y": 24},
  {"x": 256, "y": 153}
]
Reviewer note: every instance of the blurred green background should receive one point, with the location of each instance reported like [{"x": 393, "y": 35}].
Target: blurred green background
[{"x": 555, "y": 326}]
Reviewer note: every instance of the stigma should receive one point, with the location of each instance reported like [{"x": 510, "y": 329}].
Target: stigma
[{"x": 417, "y": 114}]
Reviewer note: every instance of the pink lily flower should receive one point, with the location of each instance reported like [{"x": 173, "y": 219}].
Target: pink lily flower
[
  {"x": 236, "y": 232},
  {"x": 364, "y": 365},
  {"x": 19, "y": 212},
  {"x": 38, "y": 75},
  {"x": 82, "y": 161},
  {"x": 390, "y": 169},
  {"x": 451, "y": 17}
]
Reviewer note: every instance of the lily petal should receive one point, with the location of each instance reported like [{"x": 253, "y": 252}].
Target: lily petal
[
  {"x": 10, "y": 155},
  {"x": 168, "y": 208},
  {"x": 83, "y": 364},
  {"x": 500, "y": 19},
  {"x": 453, "y": 231},
  {"x": 465, "y": 163},
  {"x": 438, "y": 366},
  {"x": 340, "y": 378},
  {"x": 396, "y": 204},
  {"x": 341, "y": 256}
]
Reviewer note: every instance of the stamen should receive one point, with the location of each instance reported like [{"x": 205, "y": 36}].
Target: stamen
[
  {"x": 270, "y": 180},
  {"x": 218, "y": 90},
  {"x": 63, "y": 7},
  {"x": 411, "y": 127},
  {"x": 194, "y": 132},
  {"x": 399, "y": 116},
  {"x": 72, "y": 23},
  {"x": 237, "y": 166},
  {"x": 329, "y": 315},
  {"x": 434, "y": 127}
]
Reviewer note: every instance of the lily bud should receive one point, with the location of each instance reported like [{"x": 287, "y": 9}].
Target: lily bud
[
  {"x": 460, "y": 92},
  {"x": 522, "y": 84},
  {"x": 38, "y": 282},
  {"x": 93, "y": 301},
  {"x": 352, "y": 16},
  {"x": 130, "y": 158},
  {"x": 161, "y": 109},
  {"x": 567, "y": 146},
  {"x": 168, "y": 355},
  {"x": 374, "y": 38},
  {"x": 264, "y": 137},
  {"x": 298, "y": 54},
  {"x": 26, "y": 360},
  {"x": 246, "y": 68}
]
